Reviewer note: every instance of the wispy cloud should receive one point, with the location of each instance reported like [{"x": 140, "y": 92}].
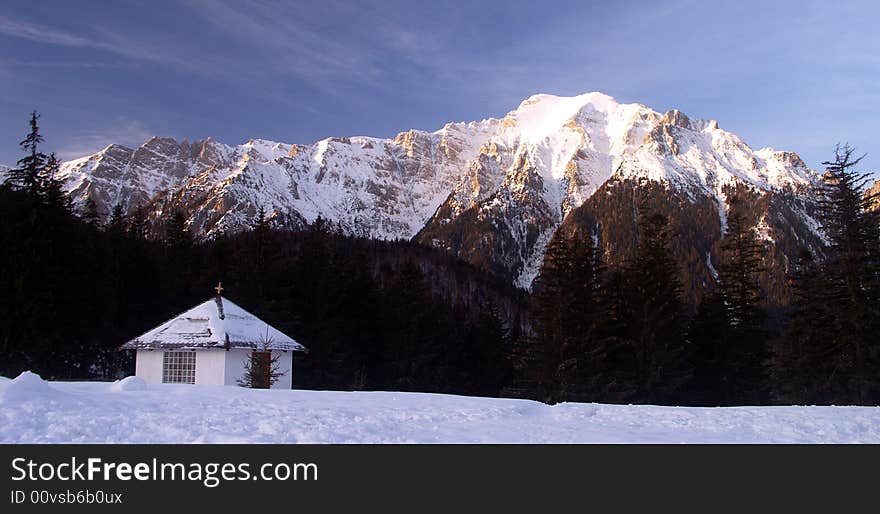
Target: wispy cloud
[
  {"x": 100, "y": 39},
  {"x": 283, "y": 42},
  {"x": 122, "y": 131},
  {"x": 328, "y": 44},
  {"x": 311, "y": 68},
  {"x": 41, "y": 34},
  {"x": 17, "y": 63}
]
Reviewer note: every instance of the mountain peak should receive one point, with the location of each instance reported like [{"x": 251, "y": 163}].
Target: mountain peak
[
  {"x": 544, "y": 105},
  {"x": 594, "y": 97},
  {"x": 113, "y": 147}
]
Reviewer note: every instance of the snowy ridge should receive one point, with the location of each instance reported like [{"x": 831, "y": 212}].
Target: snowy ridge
[
  {"x": 130, "y": 411},
  {"x": 379, "y": 188},
  {"x": 530, "y": 168}
]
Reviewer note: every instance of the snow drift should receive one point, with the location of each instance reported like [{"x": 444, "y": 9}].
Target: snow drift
[{"x": 129, "y": 411}]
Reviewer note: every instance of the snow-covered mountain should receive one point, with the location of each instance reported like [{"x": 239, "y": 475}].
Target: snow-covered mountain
[
  {"x": 491, "y": 191},
  {"x": 374, "y": 187}
]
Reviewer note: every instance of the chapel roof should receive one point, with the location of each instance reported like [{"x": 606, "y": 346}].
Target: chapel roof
[{"x": 216, "y": 323}]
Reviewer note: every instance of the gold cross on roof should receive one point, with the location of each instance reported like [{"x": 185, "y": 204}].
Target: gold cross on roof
[{"x": 219, "y": 288}]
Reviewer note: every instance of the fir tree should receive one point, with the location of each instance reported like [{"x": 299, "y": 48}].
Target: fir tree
[
  {"x": 656, "y": 326},
  {"x": 853, "y": 230},
  {"x": 258, "y": 256},
  {"x": 261, "y": 369},
  {"x": 411, "y": 318},
  {"x": 54, "y": 197},
  {"x": 534, "y": 369},
  {"x": 179, "y": 256},
  {"x": 847, "y": 285},
  {"x": 613, "y": 349},
  {"x": 549, "y": 363},
  {"x": 742, "y": 348},
  {"x": 90, "y": 213},
  {"x": 26, "y": 176},
  {"x": 553, "y": 362},
  {"x": 578, "y": 357},
  {"x": 138, "y": 224},
  {"x": 491, "y": 341},
  {"x": 177, "y": 233},
  {"x": 802, "y": 364},
  {"x": 117, "y": 225},
  {"x": 710, "y": 336}
]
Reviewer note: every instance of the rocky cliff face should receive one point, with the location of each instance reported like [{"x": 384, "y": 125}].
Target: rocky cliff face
[
  {"x": 874, "y": 192},
  {"x": 492, "y": 192}
]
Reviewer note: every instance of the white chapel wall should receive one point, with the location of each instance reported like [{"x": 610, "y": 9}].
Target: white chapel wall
[
  {"x": 214, "y": 366},
  {"x": 210, "y": 366},
  {"x": 148, "y": 366},
  {"x": 235, "y": 361}
]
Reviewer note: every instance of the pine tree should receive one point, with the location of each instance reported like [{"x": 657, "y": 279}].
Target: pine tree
[
  {"x": 90, "y": 213},
  {"x": 177, "y": 233},
  {"x": 579, "y": 356},
  {"x": 613, "y": 349},
  {"x": 553, "y": 362},
  {"x": 357, "y": 321},
  {"x": 802, "y": 363},
  {"x": 549, "y": 362},
  {"x": 491, "y": 344},
  {"x": 261, "y": 368},
  {"x": 743, "y": 352},
  {"x": 117, "y": 225},
  {"x": 710, "y": 331},
  {"x": 546, "y": 361},
  {"x": 179, "y": 255},
  {"x": 740, "y": 263},
  {"x": 26, "y": 176},
  {"x": 138, "y": 225},
  {"x": 54, "y": 197},
  {"x": 534, "y": 369},
  {"x": 258, "y": 256},
  {"x": 411, "y": 319},
  {"x": 657, "y": 324},
  {"x": 847, "y": 285}
]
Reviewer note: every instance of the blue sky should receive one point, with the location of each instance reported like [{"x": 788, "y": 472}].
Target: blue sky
[{"x": 792, "y": 75}]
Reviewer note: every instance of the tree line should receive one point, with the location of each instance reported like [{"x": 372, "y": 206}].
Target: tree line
[
  {"x": 373, "y": 314},
  {"x": 624, "y": 333},
  {"x": 398, "y": 316}
]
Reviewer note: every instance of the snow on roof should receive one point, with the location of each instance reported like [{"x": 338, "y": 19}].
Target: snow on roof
[{"x": 215, "y": 323}]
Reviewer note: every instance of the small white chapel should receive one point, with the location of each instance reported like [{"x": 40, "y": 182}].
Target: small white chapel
[{"x": 213, "y": 343}]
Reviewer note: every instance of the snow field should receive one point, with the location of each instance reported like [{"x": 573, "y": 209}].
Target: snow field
[{"x": 130, "y": 411}]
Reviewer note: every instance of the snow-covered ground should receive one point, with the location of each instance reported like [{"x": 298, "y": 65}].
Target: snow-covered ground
[{"x": 129, "y": 411}]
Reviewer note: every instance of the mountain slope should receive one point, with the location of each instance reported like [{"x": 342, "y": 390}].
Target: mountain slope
[{"x": 492, "y": 192}]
